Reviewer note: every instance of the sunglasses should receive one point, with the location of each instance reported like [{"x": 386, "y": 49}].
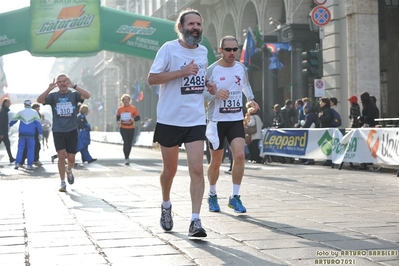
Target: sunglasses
[{"x": 235, "y": 49}]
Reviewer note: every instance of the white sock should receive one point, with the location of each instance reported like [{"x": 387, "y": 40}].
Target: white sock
[
  {"x": 236, "y": 190},
  {"x": 212, "y": 190},
  {"x": 194, "y": 216},
  {"x": 166, "y": 204}
]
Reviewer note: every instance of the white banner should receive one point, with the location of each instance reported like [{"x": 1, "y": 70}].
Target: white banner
[
  {"x": 311, "y": 143},
  {"x": 360, "y": 145},
  {"x": 369, "y": 145}
]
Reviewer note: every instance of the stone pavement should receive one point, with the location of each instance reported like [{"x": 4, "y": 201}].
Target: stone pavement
[{"x": 296, "y": 216}]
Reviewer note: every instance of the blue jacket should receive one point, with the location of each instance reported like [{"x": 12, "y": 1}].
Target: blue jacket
[{"x": 30, "y": 121}]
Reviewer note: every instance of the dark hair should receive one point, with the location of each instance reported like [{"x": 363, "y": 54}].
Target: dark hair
[
  {"x": 366, "y": 99},
  {"x": 288, "y": 102},
  {"x": 227, "y": 38},
  {"x": 35, "y": 105},
  {"x": 374, "y": 99},
  {"x": 182, "y": 17},
  {"x": 326, "y": 101},
  {"x": 299, "y": 101},
  {"x": 334, "y": 100}
]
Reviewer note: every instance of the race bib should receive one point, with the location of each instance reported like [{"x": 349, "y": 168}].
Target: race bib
[
  {"x": 126, "y": 116},
  {"x": 233, "y": 104},
  {"x": 64, "y": 109},
  {"x": 193, "y": 84}
]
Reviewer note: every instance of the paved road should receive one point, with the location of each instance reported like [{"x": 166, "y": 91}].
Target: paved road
[{"x": 297, "y": 215}]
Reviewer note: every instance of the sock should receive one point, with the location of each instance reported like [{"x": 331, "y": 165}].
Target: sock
[
  {"x": 212, "y": 190},
  {"x": 236, "y": 190},
  {"x": 194, "y": 216},
  {"x": 166, "y": 204}
]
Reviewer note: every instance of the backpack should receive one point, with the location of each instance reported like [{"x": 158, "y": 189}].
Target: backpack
[{"x": 336, "y": 122}]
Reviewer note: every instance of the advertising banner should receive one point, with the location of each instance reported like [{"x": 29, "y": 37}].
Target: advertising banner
[
  {"x": 15, "y": 36},
  {"x": 65, "y": 28},
  {"x": 137, "y": 35},
  {"x": 369, "y": 145},
  {"x": 314, "y": 143}
]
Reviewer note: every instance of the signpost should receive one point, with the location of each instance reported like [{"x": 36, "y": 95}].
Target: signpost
[
  {"x": 319, "y": 88},
  {"x": 320, "y": 2},
  {"x": 320, "y": 16}
]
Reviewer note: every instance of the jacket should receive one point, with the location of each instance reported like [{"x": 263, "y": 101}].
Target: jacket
[
  {"x": 29, "y": 122},
  {"x": 259, "y": 124},
  {"x": 4, "y": 120}
]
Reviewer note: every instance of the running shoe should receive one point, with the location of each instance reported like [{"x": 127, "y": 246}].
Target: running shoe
[
  {"x": 236, "y": 204},
  {"x": 166, "y": 218},
  {"x": 196, "y": 230},
  {"x": 29, "y": 167},
  {"x": 70, "y": 176},
  {"x": 17, "y": 165},
  {"x": 213, "y": 204},
  {"x": 127, "y": 162},
  {"x": 52, "y": 159},
  {"x": 38, "y": 163},
  {"x": 63, "y": 187}
]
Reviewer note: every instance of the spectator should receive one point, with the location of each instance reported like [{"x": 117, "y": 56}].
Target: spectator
[
  {"x": 369, "y": 112},
  {"x": 5, "y": 108},
  {"x": 326, "y": 117},
  {"x": 354, "y": 112},
  {"x": 29, "y": 123},
  {"x": 309, "y": 122},
  {"x": 84, "y": 134},
  {"x": 251, "y": 119},
  {"x": 278, "y": 119},
  {"x": 289, "y": 114},
  {"x": 301, "y": 114}
]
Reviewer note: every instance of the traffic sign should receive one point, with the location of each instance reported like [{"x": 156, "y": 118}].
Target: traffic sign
[
  {"x": 319, "y": 88},
  {"x": 320, "y": 2},
  {"x": 320, "y": 15}
]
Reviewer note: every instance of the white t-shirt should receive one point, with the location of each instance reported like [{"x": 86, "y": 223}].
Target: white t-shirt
[
  {"x": 234, "y": 79},
  {"x": 181, "y": 101}
]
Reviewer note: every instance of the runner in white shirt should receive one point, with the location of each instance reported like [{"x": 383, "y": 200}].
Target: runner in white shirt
[
  {"x": 180, "y": 68},
  {"x": 225, "y": 116}
]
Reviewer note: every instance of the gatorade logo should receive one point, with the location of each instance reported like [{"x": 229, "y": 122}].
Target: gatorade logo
[
  {"x": 141, "y": 27},
  {"x": 373, "y": 141},
  {"x": 69, "y": 18}
]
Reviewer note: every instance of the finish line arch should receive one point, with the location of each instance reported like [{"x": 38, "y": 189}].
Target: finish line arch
[{"x": 50, "y": 28}]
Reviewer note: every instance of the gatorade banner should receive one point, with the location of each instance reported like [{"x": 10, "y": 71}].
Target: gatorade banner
[
  {"x": 77, "y": 28},
  {"x": 65, "y": 28},
  {"x": 15, "y": 36}
]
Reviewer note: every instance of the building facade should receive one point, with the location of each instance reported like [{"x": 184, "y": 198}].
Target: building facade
[{"x": 359, "y": 47}]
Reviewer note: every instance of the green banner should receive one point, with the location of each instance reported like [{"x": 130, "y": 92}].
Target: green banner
[
  {"x": 14, "y": 31},
  {"x": 65, "y": 28},
  {"x": 77, "y": 28}
]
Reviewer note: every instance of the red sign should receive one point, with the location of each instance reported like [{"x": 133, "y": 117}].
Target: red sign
[
  {"x": 320, "y": 2},
  {"x": 321, "y": 16}
]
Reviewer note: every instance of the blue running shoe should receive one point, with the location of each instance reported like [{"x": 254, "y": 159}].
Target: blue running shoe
[
  {"x": 236, "y": 204},
  {"x": 213, "y": 204}
]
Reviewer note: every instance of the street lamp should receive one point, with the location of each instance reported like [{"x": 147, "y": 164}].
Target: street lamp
[{"x": 391, "y": 3}]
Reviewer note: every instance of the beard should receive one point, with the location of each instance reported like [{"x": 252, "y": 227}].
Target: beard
[{"x": 190, "y": 39}]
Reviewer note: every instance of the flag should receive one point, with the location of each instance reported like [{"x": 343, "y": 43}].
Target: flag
[
  {"x": 248, "y": 49},
  {"x": 137, "y": 91},
  {"x": 259, "y": 37},
  {"x": 274, "y": 48}
]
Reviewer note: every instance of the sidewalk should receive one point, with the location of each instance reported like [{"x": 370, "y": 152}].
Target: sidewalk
[{"x": 295, "y": 217}]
